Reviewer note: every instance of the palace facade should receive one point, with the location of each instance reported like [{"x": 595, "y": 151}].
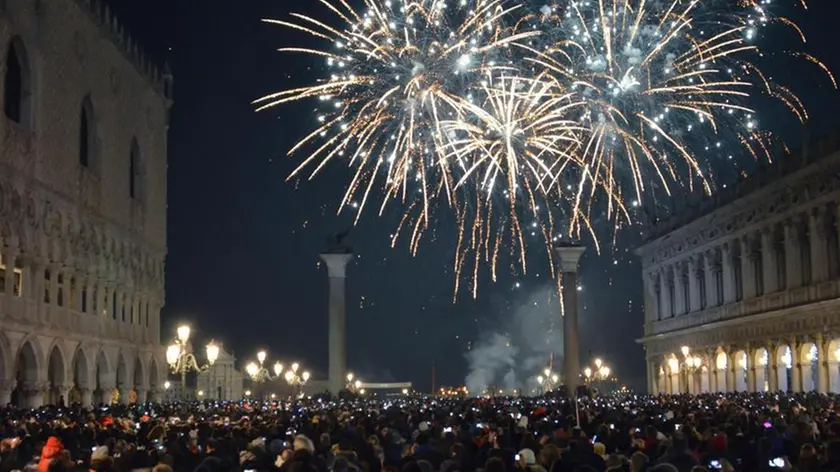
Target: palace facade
[
  {"x": 83, "y": 138},
  {"x": 743, "y": 294}
]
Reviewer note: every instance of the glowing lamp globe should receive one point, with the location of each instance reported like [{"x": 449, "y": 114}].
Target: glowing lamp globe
[
  {"x": 598, "y": 363},
  {"x": 212, "y": 352},
  {"x": 173, "y": 352},
  {"x": 252, "y": 369},
  {"x": 540, "y": 379},
  {"x": 166, "y": 385},
  {"x": 350, "y": 377},
  {"x": 183, "y": 333},
  {"x": 278, "y": 368},
  {"x": 587, "y": 372},
  {"x": 554, "y": 378},
  {"x": 295, "y": 367},
  {"x": 289, "y": 375},
  {"x": 305, "y": 376},
  {"x": 261, "y": 356},
  {"x": 358, "y": 384}
]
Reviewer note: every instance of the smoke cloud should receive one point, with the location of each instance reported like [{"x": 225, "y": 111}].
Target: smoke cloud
[{"x": 511, "y": 355}]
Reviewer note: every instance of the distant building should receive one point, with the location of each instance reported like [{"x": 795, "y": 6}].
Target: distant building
[
  {"x": 222, "y": 381},
  {"x": 83, "y": 138},
  {"x": 744, "y": 294}
]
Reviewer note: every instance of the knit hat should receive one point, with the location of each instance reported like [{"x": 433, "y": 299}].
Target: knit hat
[
  {"x": 528, "y": 456},
  {"x": 99, "y": 453}
]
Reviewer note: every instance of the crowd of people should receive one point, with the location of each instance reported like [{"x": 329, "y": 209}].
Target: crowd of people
[{"x": 726, "y": 432}]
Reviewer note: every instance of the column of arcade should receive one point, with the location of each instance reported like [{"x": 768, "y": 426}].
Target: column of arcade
[
  {"x": 796, "y": 364},
  {"x": 799, "y": 251}
]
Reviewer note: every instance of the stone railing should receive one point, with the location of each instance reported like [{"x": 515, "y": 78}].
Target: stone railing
[
  {"x": 65, "y": 320},
  {"x": 761, "y": 304}
]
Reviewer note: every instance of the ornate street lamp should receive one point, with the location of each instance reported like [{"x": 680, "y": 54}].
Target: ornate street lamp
[
  {"x": 599, "y": 372},
  {"x": 259, "y": 373},
  {"x": 295, "y": 379},
  {"x": 182, "y": 361},
  {"x": 690, "y": 364},
  {"x": 353, "y": 386}
]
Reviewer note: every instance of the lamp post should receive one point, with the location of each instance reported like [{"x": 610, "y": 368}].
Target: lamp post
[
  {"x": 295, "y": 379},
  {"x": 690, "y": 364},
  {"x": 258, "y": 372},
  {"x": 599, "y": 372},
  {"x": 353, "y": 386},
  {"x": 548, "y": 380},
  {"x": 182, "y": 361}
]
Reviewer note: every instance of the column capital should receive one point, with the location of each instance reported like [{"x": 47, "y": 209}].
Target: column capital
[
  {"x": 35, "y": 387},
  {"x": 336, "y": 263},
  {"x": 568, "y": 257},
  {"x": 8, "y": 385}
]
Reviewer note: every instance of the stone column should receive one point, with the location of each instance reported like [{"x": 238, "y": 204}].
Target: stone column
[
  {"x": 653, "y": 377},
  {"x": 34, "y": 392},
  {"x": 87, "y": 396},
  {"x": 679, "y": 289},
  {"x": 55, "y": 269},
  {"x": 7, "y": 386},
  {"x": 731, "y": 367},
  {"x": 751, "y": 366},
  {"x": 664, "y": 300},
  {"x": 63, "y": 391},
  {"x": 9, "y": 258},
  {"x": 793, "y": 256},
  {"x": 651, "y": 309},
  {"x": 36, "y": 280},
  {"x": 693, "y": 285},
  {"x": 568, "y": 258},
  {"x": 818, "y": 235},
  {"x": 142, "y": 395},
  {"x": 796, "y": 366},
  {"x": 711, "y": 355},
  {"x": 768, "y": 260},
  {"x": 747, "y": 268},
  {"x": 709, "y": 273},
  {"x": 823, "y": 357},
  {"x": 728, "y": 273},
  {"x": 772, "y": 367},
  {"x": 337, "y": 269}
]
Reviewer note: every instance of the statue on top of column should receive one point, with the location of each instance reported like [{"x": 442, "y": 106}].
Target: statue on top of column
[{"x": 336, "y": 245}]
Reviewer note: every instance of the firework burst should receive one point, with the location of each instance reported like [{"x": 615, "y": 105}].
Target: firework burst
[{"x": 575, "y": 111}]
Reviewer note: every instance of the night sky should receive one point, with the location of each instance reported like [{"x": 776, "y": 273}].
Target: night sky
[{"x": 243, "y": 264}]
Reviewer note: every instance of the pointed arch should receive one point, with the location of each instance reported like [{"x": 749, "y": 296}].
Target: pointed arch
[
  {"x": 154, "y": 375},
  {"x": 27, "y": 373},
  {"x": 87, "y": 134},
  {"x": 136, "y": 173},
  {"x": 139, "y": 373},
  {"x": 56, "y": 368},
  {"x": 122, "y": 371},
  {"x": 80, "y": 372},
  {"x": 17, "y": 89}
]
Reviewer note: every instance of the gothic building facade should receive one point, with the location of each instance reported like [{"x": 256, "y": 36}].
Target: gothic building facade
[
  {"x": 744, "y": 294},
  {"x": 83, "y": 138}
]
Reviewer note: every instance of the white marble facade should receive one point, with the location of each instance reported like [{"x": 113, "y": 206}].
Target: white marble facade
[
  {"x": 222, "y": 381},
  {"x": 83, "y": 132},
  {"x": 751, "y": 287}
]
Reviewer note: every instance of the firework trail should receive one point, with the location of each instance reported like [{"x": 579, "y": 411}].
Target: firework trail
[{"x": 499, "y": 111}]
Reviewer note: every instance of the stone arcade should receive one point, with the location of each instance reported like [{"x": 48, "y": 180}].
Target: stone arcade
[
  {"x": 82, "y": 207},
  {"x": 745, "y": 295}
]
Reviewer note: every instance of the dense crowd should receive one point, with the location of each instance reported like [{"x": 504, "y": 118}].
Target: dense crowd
[{"x": 734, "y": 432}]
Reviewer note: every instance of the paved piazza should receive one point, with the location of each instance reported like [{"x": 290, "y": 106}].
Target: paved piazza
[
  {"x": 744, "y": 295},
  {"x": 83, "y": 204}
]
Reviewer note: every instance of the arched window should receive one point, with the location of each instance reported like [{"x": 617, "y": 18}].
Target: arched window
[
  {"x": 135, "y": 172},
  {"x": 86, "y": 133},
  {"x": 17, "y": 84}
]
